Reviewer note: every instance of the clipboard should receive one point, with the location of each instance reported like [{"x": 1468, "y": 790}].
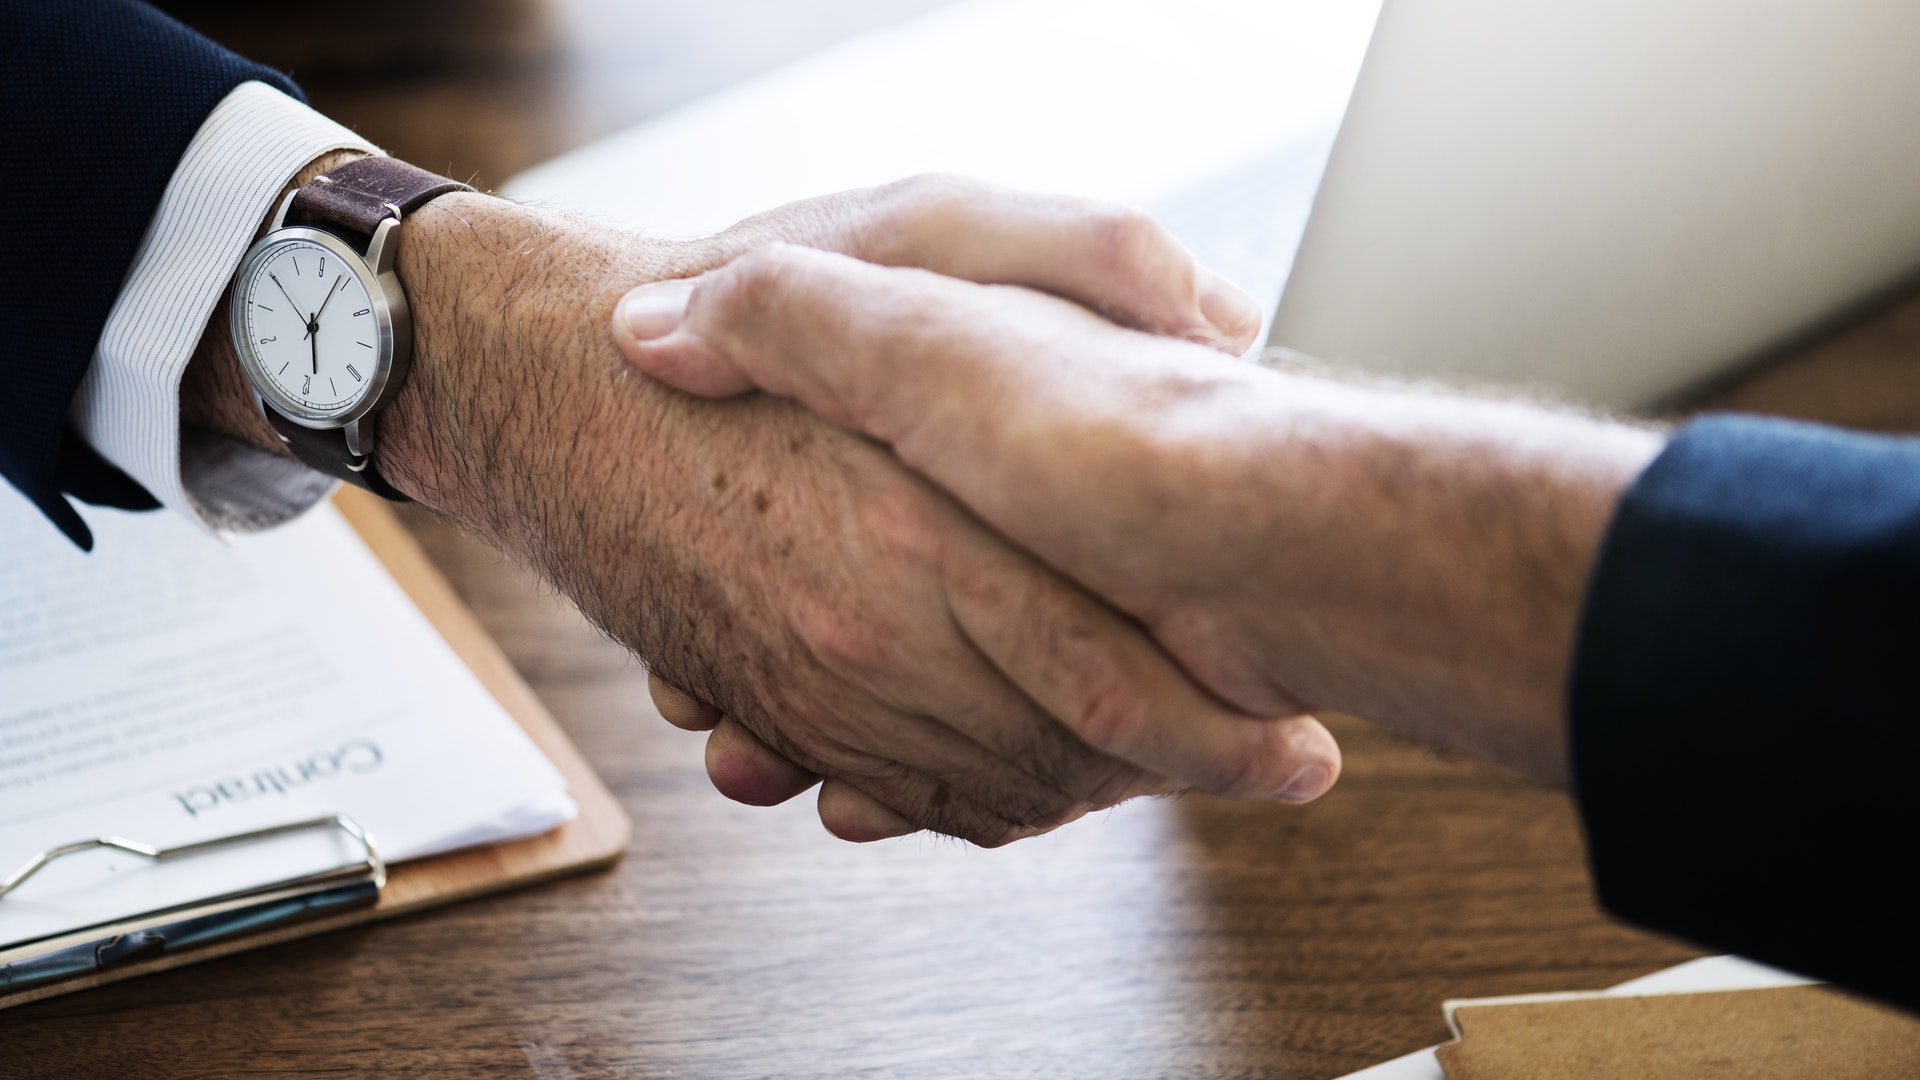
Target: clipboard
[{"x": 370, "y": 890}]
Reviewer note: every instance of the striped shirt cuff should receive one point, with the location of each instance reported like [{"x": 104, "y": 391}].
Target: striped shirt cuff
[{"x": 128, "y": 406}]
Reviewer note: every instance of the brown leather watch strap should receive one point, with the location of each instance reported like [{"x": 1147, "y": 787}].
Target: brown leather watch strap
[
  {"x": 356, "y": 197},
  {"x": 326, "y": 450},
  {"x": 351, "y": 202}
]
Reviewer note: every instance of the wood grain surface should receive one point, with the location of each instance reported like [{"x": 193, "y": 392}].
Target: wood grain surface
[{"x": 1186, "y": 938}]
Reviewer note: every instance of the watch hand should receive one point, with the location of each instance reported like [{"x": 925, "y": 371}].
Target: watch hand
[
  {"x": 337, "y": 282},
  {"x": 283, "y": 292},
  {"x": 313, "y": 338}
]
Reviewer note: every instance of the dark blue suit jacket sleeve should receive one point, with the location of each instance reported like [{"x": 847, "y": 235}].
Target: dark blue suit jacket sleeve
[
  {"x": 98, "y": 100},
  {"x": 1745, "y": 711}
]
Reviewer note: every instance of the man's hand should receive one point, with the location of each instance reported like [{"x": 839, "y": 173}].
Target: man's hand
[
  {"x": 848, "y": 616},
  {"x": 1293, "y": 542}
]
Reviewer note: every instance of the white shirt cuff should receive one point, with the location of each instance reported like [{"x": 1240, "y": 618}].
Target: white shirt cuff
[{"x": 128, "y": 405}]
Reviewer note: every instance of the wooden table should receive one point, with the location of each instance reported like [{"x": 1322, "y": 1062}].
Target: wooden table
[{"x": 1188, "y": 938}]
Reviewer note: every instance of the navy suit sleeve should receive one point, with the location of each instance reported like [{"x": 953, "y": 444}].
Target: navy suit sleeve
[
  {"x": 98, "y": 101},
  {"x": 1745, "y": 726}
]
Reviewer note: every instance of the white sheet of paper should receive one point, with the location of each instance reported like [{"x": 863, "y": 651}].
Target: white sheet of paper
[
  {"x": 1217, "y": 115},
  {"x": 169, "y": 687}
]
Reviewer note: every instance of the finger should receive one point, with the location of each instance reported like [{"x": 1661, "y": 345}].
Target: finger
[
  {"x": 888, "y": 352},
  {"x": 932, "y": 776},
  {"x": 1018, "y": 758},
  {"x": 746, "y": 770},
  {"x": 1114, "y": 259},
  {"x": 1095, "y": 670},
  {"x": 680, "y": 708},
  {"x": 852, "y": 814},
  {"x": 1015, "y": 403},
  {"x": 1009, "y": 726}
]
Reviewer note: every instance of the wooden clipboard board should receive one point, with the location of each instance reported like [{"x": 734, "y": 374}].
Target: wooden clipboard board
[{"x": 593, "y": 839}]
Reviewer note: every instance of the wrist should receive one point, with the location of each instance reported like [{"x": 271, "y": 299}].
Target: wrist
[
  {"x": 1432, "y": 557},
  {"x": 511, "y": 362},
  {"x": 214, "y": 392},
  {"x": 507, "y": 305}
]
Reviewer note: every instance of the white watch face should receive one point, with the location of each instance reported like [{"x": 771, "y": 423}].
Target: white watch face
[{"x": 310, "y": 325}]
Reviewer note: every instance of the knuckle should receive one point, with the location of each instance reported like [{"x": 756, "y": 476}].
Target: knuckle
[
  {"x": 1110, "y": 718},
  {"x": 899, "y": 520},
  {"x": 885, "y": 774},
  {"x": 756, "y": 285},
  {"x": 846, "y": 644},
  {"x": 1136, "y": 247},
  {"x": 1126, "y": 235},
  {"x": 918, "y": 212},
  {"x": 933, "y": 190}
]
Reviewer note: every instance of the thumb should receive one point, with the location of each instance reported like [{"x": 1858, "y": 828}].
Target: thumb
[
  {"x": 838, "y": 335},
  {"x": 647, "y": 316}
]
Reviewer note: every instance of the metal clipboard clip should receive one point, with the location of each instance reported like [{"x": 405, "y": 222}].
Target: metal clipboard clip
[{"x": 146, "y": 936}]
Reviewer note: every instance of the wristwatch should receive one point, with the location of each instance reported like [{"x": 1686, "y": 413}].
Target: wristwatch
[{"x": 319, "y": 320}]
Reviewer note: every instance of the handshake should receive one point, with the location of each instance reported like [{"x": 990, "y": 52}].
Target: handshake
[{"x": 957, "y": 502}]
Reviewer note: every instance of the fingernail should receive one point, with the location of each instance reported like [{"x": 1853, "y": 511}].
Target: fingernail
[
  {"x": 654, "y": 311},
  {"x": 1227, "y": 306},
  {"x": 1307, "y": 784}
]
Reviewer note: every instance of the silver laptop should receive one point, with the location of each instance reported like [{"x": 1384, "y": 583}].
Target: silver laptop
[
  {"x": 1618, "y": 199},
  {"x": 1621, "y": 199}
]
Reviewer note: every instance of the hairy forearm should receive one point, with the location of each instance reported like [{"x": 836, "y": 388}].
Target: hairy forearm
[
  {"x": 1427, "y": 558},
  {"x": 517, "y": 419},
  {"x": 512, "y": 375},
  {"x": 520, "y": 421},
  {"x": 508, "y": 309}
]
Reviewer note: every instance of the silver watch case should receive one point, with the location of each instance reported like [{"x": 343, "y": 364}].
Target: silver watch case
[{"x": 393, "y": 325}]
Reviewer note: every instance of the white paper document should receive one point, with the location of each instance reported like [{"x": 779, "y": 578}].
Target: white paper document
[{"x": 169, "y": 687}]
